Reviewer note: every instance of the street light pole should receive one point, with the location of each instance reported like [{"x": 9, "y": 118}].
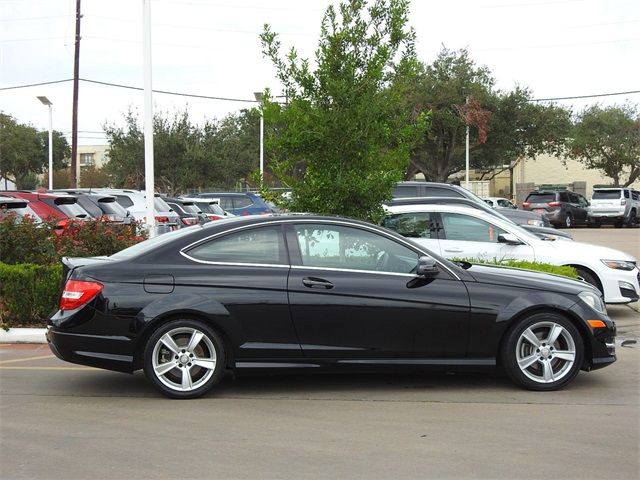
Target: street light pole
[
  {"x": 47, "y": 102},
  {"x": 149, "y": 174},
  {"x": 258, "y": 96}
]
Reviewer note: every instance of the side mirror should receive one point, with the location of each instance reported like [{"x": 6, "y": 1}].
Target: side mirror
[
  {"x": 427, "y": 267},
  {"x": 509, "y": 239}
]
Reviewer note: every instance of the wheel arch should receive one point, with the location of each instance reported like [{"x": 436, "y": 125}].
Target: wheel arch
[
  {"x": 156, "y": 323},
  {"x": 568, "y": 314},
  {"x": 589, "y": 271}
]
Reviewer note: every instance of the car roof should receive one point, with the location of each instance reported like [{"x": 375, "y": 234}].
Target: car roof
[{"x": 440, "y": 207}]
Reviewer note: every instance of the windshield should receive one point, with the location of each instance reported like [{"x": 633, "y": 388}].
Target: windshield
[
  {"x": 146, "y": 245},
  {"x": 191, "y": 208},
  {"x": 606, "y": 195},
  {"x": 541, "y": 197},
  {"x": 160, "y": 205},
  {"x": 73, "y": 210},
  {"x": 110, "y": 206}
]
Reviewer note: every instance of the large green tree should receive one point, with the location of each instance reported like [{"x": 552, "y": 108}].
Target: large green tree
[
  {"x": 186, "y": 156},
  {"x": 608, "y": 139},
  {"x": 341, "y": 139},
  {"x": 504, "y": 126},
  {"x": 24, "y": 151}
]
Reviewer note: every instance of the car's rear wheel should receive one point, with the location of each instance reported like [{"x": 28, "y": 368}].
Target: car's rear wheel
[
  {"x": 568, "y": 220},
  {"x": 184, "y": 358},
  {"x": 544, "y": 351},
  {"x": 595, "y": 223}
]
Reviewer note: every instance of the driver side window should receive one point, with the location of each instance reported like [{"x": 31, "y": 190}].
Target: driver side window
[
  {"x": 349, "y": 248},
  {"x": 464, "y": 227}
]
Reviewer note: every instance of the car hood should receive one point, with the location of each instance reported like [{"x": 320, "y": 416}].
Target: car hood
[
  {"x": 572, "y": 250},
  {"x": 515, "y": 277}
]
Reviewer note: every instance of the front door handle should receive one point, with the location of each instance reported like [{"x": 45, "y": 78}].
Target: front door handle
[
  {"x": 313, "y": 282},
  {"x": 453, "y": 250}
]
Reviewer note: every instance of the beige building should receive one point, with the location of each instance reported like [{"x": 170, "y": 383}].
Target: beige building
[
  {"x": 93, "y": 155},
  {"x": 545, "y": 170}
]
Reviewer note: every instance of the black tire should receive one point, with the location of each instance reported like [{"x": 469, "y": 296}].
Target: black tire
[
  {"x": 534, "y": 363},
  {"x": 197, "y": 367},
  {"x": 590, "y": 278},
  {"x": 633, "y": 219}
]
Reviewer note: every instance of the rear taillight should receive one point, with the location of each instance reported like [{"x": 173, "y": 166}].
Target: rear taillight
[
  {"x": 189, "y": 220},
  {"x": 623, "y": 201},
  {"x": 64, "y": 223},
  {"x": 215, "y": 217},
  {"x": 110, "y": 218},
  {"x": 162, "y": 219},
  {"x": 526, "y": 204},
  {"x": 76, "y": 293},
  {"x": 553, "y": 204}
]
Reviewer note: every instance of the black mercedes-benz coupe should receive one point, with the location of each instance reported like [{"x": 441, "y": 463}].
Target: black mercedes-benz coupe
[{"x": 309, "y": 292}]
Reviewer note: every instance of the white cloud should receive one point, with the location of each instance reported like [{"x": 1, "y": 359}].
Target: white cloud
[{"x": 556, "y": 48}]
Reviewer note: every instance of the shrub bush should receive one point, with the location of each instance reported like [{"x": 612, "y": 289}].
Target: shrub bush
[
  {"x": 30, "y": 269},
  {"x": 28, "y": 293},
  {"x": 45, "y": 243}
]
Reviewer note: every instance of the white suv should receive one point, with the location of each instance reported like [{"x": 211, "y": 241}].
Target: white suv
[
  {"x": 614, "y": 205},
  {"x": 134, "y": 201}
]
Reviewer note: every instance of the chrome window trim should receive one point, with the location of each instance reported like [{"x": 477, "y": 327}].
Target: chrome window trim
[
  {"x": 409, "y": 245},
  {"x": 353, "y": 270},
  {"x": 236, "y": 264}
]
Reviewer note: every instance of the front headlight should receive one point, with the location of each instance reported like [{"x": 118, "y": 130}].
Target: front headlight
[
  {"x": 594, "y": 301},
  {"x": 619, "y": 264}
]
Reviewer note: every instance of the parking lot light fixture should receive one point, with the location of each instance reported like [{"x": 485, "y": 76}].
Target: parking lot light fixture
[
  {"x": 258, "y": 96},
  {"x": 47, "y": 102}
]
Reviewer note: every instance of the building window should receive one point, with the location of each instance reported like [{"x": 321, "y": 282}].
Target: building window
[{"x": 86, "y": 159}]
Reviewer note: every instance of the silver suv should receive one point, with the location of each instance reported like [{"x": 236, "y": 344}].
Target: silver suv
[{"x": 619, "y": 206}]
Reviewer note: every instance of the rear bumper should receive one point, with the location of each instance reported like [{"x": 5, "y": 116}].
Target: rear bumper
[{"x": 91, "y": 350}]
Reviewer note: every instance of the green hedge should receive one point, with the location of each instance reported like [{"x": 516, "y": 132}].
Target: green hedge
[
  {"x": 28, "y": 293},
  {"x": 526, "y": 265}
]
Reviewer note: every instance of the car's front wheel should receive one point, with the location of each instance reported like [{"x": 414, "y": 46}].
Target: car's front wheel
[
  {"x": 543, "y": 351},
  {"x": 184, "y": 358}
]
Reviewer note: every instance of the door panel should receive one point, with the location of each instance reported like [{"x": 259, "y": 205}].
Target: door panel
[
  {"x": 352, "y": 295},
  {"x": 468, "y": 237}
]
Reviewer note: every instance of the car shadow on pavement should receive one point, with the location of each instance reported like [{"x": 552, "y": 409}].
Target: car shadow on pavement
[{"x": 430, "y": 386}]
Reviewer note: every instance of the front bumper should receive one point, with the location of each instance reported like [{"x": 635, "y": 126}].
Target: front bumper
[{"x": 621, "y": 286}]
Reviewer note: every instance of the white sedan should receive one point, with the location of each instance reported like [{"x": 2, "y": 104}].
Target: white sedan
[{"x": 466, "y": 233}]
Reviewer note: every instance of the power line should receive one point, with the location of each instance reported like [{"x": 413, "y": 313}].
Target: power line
[
  {"x": 585, "y": 96},
  {"x": 36, "y": 84},
  {"x": 166, "y": 92},
  {"x": 229, "y": 99}
]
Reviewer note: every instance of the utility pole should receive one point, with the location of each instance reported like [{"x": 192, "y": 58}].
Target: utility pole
[
  {"x": 466, "y": 150},
  {"x": 74, "y": 121}
]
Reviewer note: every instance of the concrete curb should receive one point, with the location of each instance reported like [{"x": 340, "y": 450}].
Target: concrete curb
[{"x": 23, "y": 335}]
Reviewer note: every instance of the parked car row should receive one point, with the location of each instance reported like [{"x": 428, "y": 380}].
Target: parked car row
[
  {"x": 124, "y": 205},
  {"x": 617, "y": 206}
]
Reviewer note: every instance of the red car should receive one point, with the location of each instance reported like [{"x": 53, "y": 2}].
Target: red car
[{"x": 52, "y": 207}]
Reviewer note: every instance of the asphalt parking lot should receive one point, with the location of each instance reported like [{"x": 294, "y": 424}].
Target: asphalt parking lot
[{"x": 65, "y": 421}]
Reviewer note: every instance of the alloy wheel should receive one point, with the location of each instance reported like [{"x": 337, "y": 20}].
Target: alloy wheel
[
  {"x": 545, "y": 352},
  {"x": 184, "y": 359}
]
